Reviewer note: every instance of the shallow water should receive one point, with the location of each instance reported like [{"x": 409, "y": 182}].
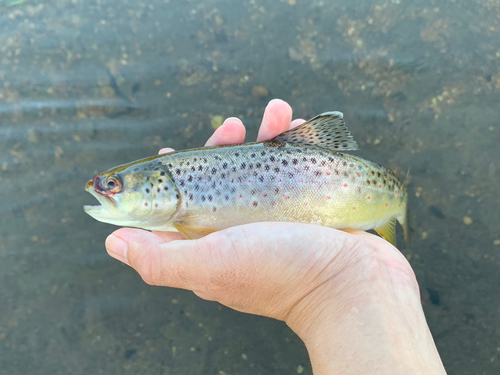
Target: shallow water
[{"x": 87, "y": 85}]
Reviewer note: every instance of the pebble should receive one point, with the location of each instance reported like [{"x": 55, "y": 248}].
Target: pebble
[
  {"x": 300, "y": 369},
  {"x": 467, "y": 220},
  {"x": 216, "y": 122},
  {"x": 260, "y": 92}
]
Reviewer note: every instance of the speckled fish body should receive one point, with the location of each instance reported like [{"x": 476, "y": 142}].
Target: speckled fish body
[{"x": 286, "y": 179}]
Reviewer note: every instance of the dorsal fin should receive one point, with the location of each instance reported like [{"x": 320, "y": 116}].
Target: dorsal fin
[{"x": 326, "y": 130}]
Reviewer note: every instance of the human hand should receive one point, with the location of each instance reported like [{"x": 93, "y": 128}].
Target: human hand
[{"x": 351, "y": 292}]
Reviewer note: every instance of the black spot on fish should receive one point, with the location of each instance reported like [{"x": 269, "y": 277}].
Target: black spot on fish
[
  {"x": 252, "y": 155},
  {"x": 158, "y": 190},
  {"x": 214, "y": 171},
  {"x": 193, "y": 169},
  {"x": 178, "y": 171},
  {"x": 165, "y": 188},
  {"x": 317, "y": 173},
  {"x": 336, "y": 171},
  {"x": 290, "y": 175},
  {"x": 200, "y": 168},
  {"x": 263, "y": 153},
  {"x": 266, "y": 167},
  {"x": 214, "y": 209},
  {"x": 237, "y": 154},
  {"x": 224, "y": 165},
  {"x": 147, "y": 191},
  {"x": 313, "y": 160},
  {"x": 190, "y": 178},
  {"x": 272, "y": 158},
  {"x": 243, "y": 165},
  {"x": 160, "y": 181},
  {"x": 284, "y": 162},
  {"x": 209, "y": 198},
  {"x": 176, "y": 196},
  {"x": 436, "y": 211},
  {"x": 255, "y": 204},
  {"x": 295, "y": 162},
  {"x": 203, "y": 198},
  {"x": 258, "y": 165},
  {"x": 261, "y": 178},
  {"x": 276, "y": 170},
  {"x": 190, "y": 197},
  {"x": 136, "y": 169},
  {"x": 226, "y": 197},
  {"x": 344, "y": 163}
]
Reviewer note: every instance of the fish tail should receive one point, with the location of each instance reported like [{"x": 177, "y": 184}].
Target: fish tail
[{"x": 405, "y": 223}]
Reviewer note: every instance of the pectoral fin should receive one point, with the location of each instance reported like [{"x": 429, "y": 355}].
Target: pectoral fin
[
  {"x": 388, "y": 231},
  {"x": 191, "y": 232}
]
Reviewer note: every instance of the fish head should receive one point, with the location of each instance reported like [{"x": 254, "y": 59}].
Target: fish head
[{"x": 138, "y": 195}]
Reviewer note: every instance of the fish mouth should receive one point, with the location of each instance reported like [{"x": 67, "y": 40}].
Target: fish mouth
[{"x": 106, "y": 210}]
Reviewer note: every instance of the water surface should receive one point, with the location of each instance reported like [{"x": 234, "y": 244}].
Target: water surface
[{"x": 86, "y": 85}]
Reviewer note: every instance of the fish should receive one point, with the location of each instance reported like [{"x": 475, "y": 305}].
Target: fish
[{"x": 303, "y": 175}]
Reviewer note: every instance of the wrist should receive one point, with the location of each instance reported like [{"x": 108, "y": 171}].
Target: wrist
[{"x": 367, "y": 319}]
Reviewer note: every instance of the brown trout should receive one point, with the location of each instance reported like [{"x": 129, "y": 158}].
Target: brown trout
[{"x": 302, "y": 176}]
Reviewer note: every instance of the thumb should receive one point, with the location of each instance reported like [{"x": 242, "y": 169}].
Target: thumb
[{"x": 164, "y": 260}]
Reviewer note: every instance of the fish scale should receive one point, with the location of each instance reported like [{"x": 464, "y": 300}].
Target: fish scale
[
  {"x": 280, "y": 184},
  {"x": 302, "y": 175}
]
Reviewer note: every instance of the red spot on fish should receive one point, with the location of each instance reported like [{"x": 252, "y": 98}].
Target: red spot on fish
[
  {"x": 368, "y": 198},
  {"x": 241, "y": 196},
  {"x": 279, "y": 180},
  {"x": 396, "y": 192},
  {"x": 249, "y": 180},
  {"x": 345, "y": 185},
  {"x": 380, "y": 186},
  {"x": 328, "y": 173},
  {"x": 357, "y": 174},
  {"x": 390, "y": 179},
  {"x": 328, "y": 197},
  {"x": 287, "y": 198},
  {"x": 300, "y": 181},
  {"x": 387, "y": 204},
  {"x": 265, "y": 195},
  {"x": 305, "y": 204},
  {"x": 354, "y": 208}
]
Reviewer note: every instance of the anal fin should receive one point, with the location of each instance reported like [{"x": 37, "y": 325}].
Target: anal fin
[
  {"x": 193, "y": 233},
  {"x": 388, "y": 231}
]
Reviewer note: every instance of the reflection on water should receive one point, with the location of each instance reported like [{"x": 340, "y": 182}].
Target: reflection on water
[{"x": 87, "y": 85}]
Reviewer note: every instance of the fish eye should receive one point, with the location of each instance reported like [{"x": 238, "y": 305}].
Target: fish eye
[{"x": 113, "y": 184}]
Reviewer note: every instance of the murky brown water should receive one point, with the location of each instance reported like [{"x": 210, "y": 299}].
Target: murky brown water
[{"x": 86, "y": 85}]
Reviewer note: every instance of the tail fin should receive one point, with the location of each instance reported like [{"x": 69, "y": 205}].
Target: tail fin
[{"x": 405, "y": 223}]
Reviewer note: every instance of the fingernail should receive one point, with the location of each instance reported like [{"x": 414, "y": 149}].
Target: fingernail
[
  {"x": 117, "y": 248},
  {"x": 274, "y": 100},
  {"x": 232, "y": 118}
]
